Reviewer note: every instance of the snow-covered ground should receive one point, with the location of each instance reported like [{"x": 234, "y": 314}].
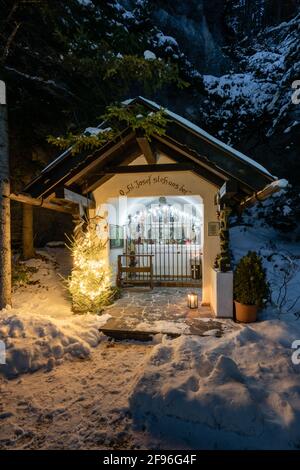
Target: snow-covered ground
[
  {"x": 81, "y": 404},
  {"x": 238, "y": 391},
  {"x": 40, "y": 330}
]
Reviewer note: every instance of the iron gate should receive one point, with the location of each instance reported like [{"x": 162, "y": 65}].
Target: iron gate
[{"x": 175, "y": 249}]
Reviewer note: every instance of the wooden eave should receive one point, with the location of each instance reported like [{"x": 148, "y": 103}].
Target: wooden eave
[
  {"x": 73, "y": 166},
  {"x": 83, "y": 173}
]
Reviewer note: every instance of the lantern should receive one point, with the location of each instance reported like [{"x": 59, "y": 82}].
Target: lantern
[{"x": 192, "y": 300}]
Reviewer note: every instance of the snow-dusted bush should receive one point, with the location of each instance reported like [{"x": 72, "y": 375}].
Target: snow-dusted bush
[
  {"x": 250, "y": 284},
  {"x": 271, "y": 228}
]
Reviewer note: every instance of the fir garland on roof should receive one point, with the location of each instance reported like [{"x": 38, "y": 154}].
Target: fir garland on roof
[{"x": 117, "y": 118}]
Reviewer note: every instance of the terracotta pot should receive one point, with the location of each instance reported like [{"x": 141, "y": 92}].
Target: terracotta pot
[{"x": 245, "y": 313}]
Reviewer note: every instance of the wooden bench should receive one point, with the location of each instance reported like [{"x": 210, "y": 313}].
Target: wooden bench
[{"x": 135, "y": 271}]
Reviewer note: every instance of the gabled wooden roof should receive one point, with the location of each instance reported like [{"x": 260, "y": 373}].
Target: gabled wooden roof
[{"x": 188, "y": 145}]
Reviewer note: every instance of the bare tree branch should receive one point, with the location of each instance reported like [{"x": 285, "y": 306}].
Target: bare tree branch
[{"x": 9, "y": 42}]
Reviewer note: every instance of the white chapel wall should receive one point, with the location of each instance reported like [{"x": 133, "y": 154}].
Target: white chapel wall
[{"x": 177, "y": 183}]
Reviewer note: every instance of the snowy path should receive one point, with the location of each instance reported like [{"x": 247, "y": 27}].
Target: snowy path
[
  {"x": 79, "y": 405},
  {"x": 240, "y": 391},
  {"x": 71, "y": 388}
]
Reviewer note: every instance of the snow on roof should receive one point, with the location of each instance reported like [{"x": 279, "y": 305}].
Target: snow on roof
[
  {"x": 54, "y": 162},
  {"x": 127, "y": 102},
  {"x": 207, "y": 136},
  {"x": 280, "y": 184},
  {"x": 96, "y": 130},
  {"x": 185, "y": 122},
  {"x": 88, "y": 131}
]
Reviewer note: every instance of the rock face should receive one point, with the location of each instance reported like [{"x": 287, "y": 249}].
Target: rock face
[
  {"x": 199, "y": 28},
  {"x": 245, "y": 56},
  {"x": 240, "y": 58},
  {"x": 253, "y": 109}
]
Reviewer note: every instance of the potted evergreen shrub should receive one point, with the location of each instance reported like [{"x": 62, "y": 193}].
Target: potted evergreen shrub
[{"x": 250, "y": 287}]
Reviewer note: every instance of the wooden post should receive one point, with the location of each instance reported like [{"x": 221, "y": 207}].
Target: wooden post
[
  {"x": 28, "y": 248},
  {"x": 5, "y": 244}
]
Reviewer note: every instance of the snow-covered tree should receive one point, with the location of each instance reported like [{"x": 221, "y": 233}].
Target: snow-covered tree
[{"x": 90, "y": 280}]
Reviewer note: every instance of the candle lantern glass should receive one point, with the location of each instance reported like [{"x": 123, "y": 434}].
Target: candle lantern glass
[{"x": 193, "y": 300}]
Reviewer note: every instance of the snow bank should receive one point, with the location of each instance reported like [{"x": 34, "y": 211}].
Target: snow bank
[
  {"x": 45, "y": 292},
  {"x": 35, "y": 341},
  {"x": 40, "y": 331},
  {"x": 240, "y": 391}
]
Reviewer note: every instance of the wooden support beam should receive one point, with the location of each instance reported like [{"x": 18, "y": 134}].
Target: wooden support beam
[
  {"x": 130, "y": 169},
  {"x": 39, "y": 203},
  {"x": 96, "y": 183},
  {"x": 94, "y": 180},
  {"x": 266, "y": 192},
  {"x": 5, "y": 244},
  {"x": 70, "y": 170},
  {"x": 146, "y": 149},
  {"x": 28, "y": 248},
  {"x": 199, "y": 167},
  {"x": 71, "y": 196}
]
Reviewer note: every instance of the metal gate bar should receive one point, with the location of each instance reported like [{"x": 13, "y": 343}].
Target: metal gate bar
[{"x": 176, "y": 261}]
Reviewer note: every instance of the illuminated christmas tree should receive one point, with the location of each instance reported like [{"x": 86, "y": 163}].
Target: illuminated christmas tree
[{"x": 90, "y": 281}]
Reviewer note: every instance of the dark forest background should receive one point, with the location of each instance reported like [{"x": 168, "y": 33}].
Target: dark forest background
[{"x": 64, "y": 61}]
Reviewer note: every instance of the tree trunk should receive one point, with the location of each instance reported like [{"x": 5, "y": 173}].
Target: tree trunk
[
  {"x": 28, "y": 249},
  {"x": 5, "y": 245}
]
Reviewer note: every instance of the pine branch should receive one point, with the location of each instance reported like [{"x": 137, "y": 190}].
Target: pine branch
[{"x": 135, "y": 117}]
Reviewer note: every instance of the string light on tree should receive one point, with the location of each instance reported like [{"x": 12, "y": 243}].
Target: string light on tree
[{"x": 90, "y": 280}]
